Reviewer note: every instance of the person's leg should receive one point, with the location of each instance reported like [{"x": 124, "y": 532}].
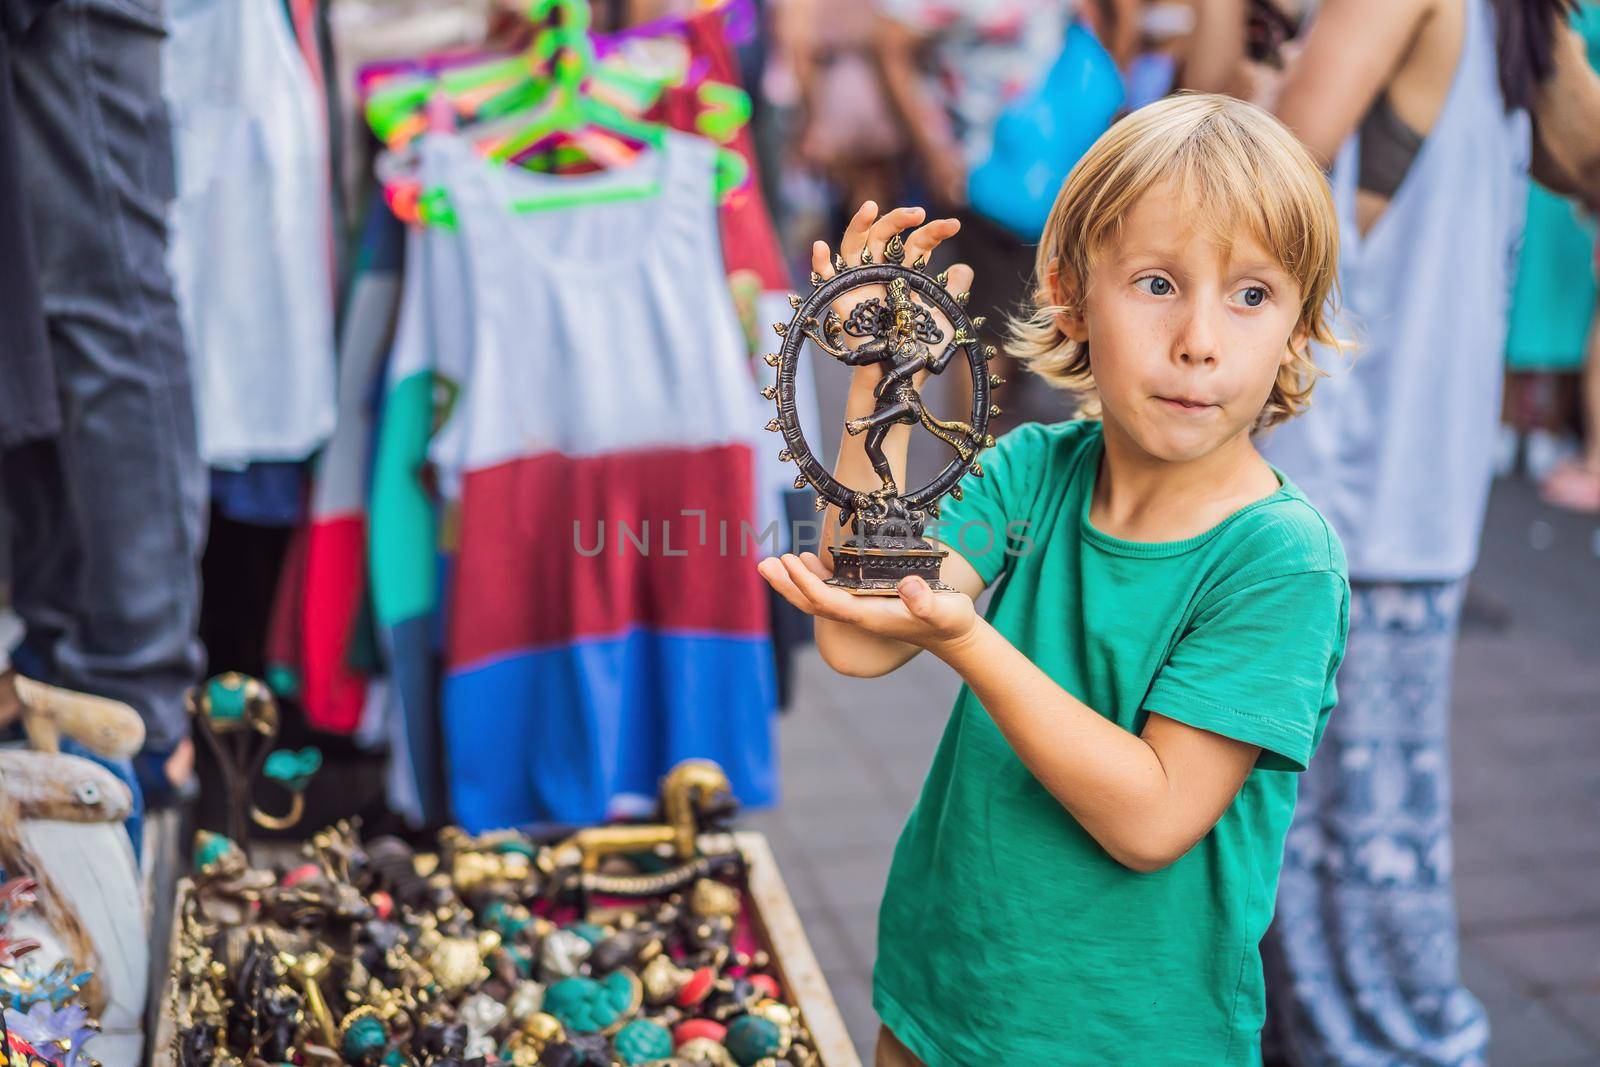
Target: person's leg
[
  {"x": 1591, "y": 395},
  {"x": 1361, "y": 960},
  {"x": 96, "y": 152},
  {"x": 1575, "y": 485},
  {"x": 45, "y": 559}
]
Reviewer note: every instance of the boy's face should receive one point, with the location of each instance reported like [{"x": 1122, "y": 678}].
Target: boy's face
[{"x": 1185, "y": 337}]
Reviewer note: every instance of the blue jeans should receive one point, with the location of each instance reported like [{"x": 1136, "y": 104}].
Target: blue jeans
[{"x": 107, "y": 519}]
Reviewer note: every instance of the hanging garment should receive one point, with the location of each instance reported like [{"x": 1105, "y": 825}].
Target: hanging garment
[
  {"x": 606, "y": 395},
  {"x": 250, "y": 231},
  {"x": 405, "y": 555},
  {"x": 262, "y": 494},
  {"x": 1397, "y": 448},
  {"x": 331, "y": 604}
]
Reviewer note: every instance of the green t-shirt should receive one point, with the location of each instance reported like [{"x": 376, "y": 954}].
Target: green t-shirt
[{"x": 1007, "y": 935}]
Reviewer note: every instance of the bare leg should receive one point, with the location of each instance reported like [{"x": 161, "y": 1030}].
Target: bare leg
[
  {"x": 891, "y": 1053},
  {"x": 1575, "y": 485},
  {"x": 1591, "y": 399}
]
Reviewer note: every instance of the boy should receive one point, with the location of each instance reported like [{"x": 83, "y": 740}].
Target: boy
[{"x": 1092, "y": 862}]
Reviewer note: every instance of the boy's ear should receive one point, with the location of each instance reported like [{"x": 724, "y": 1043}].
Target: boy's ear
[{"x": 1063, "y": 291}]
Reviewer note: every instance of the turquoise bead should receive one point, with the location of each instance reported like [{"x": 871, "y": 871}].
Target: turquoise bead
[
  {"x": 643, "y": 1041},
  {"x": 751, "y": 1038}
]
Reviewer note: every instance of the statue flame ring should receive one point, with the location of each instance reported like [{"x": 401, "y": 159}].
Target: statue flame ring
[
  {"x": 812, "y": 319},
  {"x": 903, "y": 337}
]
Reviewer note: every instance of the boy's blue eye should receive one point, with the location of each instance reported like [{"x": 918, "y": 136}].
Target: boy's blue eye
[
  {"x": 1254, "y": 296},
  {"x": 1157, "y": 285}
]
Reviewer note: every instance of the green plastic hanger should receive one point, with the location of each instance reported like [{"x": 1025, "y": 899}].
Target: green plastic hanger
[{"x": 564, "y": 112}]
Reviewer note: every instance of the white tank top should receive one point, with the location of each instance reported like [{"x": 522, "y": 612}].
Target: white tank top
[
  {"x": 250, "y": 243},
  {"x": 1396, "y": 449},
  {"x": 630, "y": 298}
]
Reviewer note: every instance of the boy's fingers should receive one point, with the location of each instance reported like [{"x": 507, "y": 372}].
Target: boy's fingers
[
  {"x": 777, "y": 576},
  {"x": 917, "y": 596},
  {"x": 816, "y": 565},
  {"x": 924, "y": 239},
  {"x": 960, "y": 279},
  {"x": 900, "y": 218},
  {"x": 822, "y": 260},
  {"x": 855, "y": 234},
  {"x": 830, "y": 602}
]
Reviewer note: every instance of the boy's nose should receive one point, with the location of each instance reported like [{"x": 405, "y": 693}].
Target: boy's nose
[{"x": 1197, "y": 342}]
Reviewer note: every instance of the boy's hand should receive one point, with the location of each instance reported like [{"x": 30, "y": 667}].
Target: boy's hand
[
  {"x": 936, "y": 621},
  {"x": 867, "y": 231}
]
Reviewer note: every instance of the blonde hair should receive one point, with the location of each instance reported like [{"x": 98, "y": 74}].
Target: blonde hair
[{"x": 1241, "y": 171}]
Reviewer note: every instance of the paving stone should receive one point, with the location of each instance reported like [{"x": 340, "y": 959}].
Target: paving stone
[
  {"x": 861, "y": 938},
  {"x": 1557, "y": 956},
  {"x": 852, "y": 882},
  {"x": 829, "y": 945},
  {"x": 827, "y": 832},
  {"x": 854, "y": 998},
  {"x": 1581, "y": 1008},
  {"x": 1487, "y": 979},
  {"x": 1528, "y": 1033},
  {"x": 1516, "y": 897}
]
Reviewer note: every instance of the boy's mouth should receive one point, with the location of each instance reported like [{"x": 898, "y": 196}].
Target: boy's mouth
[{"x": 1183, "y": 403}]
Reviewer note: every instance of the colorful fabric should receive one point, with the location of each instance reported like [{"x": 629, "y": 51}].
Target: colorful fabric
[
  {"x": 758, "y": 276},
  {"x": 988, "y": 53},
  {"x": 1000, "y": 908},
  {"x": 605, "y": 392},
  {"x": 332, "y": 602},
  {"x": 1363, "y": 959},
  {"x": 405, "y": 556},
  {"x": 1554, "y": 301},
  {"x": 749, "y": 240}
]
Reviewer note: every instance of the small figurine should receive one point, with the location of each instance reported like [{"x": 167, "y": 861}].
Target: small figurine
[
  {"x": 902, "y": 335},
  {"x": 226, "y": 888},
  {"x": 693, "y": 792},
  {"x": 238, "y": 717}
]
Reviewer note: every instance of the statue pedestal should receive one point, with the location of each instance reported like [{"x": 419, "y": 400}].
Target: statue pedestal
[{"x": 870, "y": 571}]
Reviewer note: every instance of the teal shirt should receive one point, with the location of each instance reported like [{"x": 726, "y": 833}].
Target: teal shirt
[{"x": 1007, "y": 935}]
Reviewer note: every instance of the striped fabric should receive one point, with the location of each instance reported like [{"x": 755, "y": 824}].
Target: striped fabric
[{"x": 596, "y": 458}]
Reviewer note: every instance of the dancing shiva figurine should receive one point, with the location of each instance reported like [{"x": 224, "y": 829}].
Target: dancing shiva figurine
[{"x": 900, "y": 331}]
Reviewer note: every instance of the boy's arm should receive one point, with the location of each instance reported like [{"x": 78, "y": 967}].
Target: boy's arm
[{"x": 1147, "y": 799}]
